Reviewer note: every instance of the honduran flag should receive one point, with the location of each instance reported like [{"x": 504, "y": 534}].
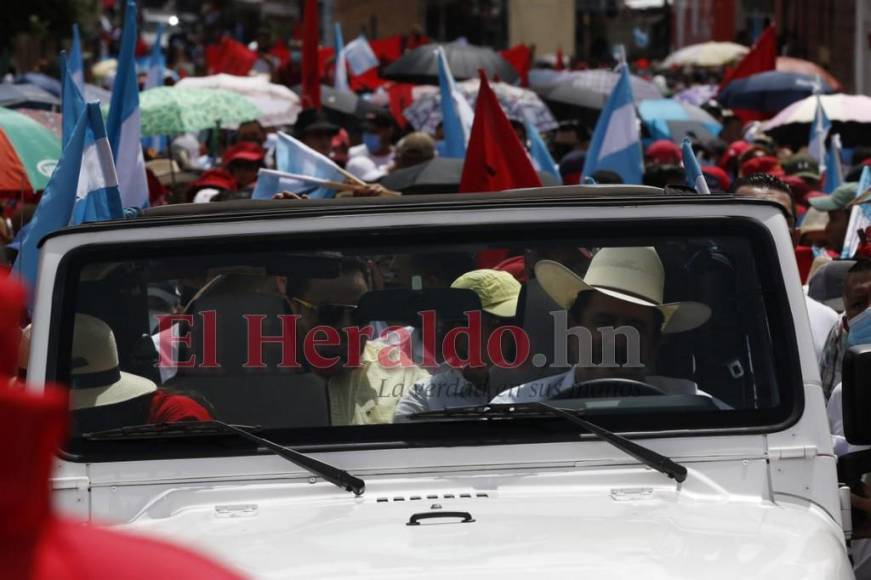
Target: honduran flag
[
  {"x": 123, "y": 124},
  {"x": 616, "y": 143},
  {"x": 819, "y": 132},
  {"x": 76, "y": 63},
  {"x": 293, "y": 156},
  {"x": 694, "y": 175},
  {"x": 457, "y": 114},
  {"x": 340, "y": 81},
  {"x": 71, "y": 100},
  {"x": 83, "y": 188}
]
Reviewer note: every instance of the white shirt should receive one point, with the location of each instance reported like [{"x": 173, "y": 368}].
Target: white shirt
[
  {"x": 822, "y": 319},
  {"x": 442, "y": 390},
  {"x": 381, "y": 161}
]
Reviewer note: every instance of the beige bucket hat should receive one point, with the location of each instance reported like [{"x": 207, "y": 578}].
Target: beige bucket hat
[
  {"x": 633, "y": 274},
  {"x": 95, "y": 377}
]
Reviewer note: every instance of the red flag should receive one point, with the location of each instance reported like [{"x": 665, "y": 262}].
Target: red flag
[
  {"x": 400, "y": 98},
  {"x": 495, "y": 159},
  {"x": 279, "y": 51},
  {"x": 387, "y": 49},
  {"x": 311, "y": 79},
  {"x": 519, "y": 56},
  {"x": 762, "y": 57},
  {"x": 560, "y": 64}
]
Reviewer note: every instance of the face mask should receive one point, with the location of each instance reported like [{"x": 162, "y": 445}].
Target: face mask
[
  {"x": 372, "y": 141},
  {"x": 860, "y": 329}
]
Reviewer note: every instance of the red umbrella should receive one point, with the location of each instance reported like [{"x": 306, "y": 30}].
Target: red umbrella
[{"x": 806, "y": 67}]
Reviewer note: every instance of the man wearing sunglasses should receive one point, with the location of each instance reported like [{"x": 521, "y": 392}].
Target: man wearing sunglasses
[{"x": 358, "y": 394}]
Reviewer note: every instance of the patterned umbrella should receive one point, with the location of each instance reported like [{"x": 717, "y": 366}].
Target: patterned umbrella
[
  {"x": 806, "y": 67},
  {"x": 850, "y": 116},
  {"x": 279, "y": 104},
  {"x": 28, "y": 154},
  {"x": 706, "y": 54},
  {"x": 170, "y": 110},
  {"x": 426, "y": 112},
  {"x": 590, "y": 89}
]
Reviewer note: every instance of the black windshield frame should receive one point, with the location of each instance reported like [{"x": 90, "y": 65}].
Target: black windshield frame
[{"x": 786, "y": 363}]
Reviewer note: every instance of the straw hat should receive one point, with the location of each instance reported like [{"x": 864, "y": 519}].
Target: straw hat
[
  {"x": 95, "y": 377},
  {"x": 632, "y": 274}
]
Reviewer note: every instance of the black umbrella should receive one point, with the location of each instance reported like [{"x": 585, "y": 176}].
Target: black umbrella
[
  {"x": 440, "y": 175},
  {"x": 770, "y": 92},
  {"x": 26, "y": 96},
  {"x": 342, "y": 107},
  {"x": 420, "y": 65}
]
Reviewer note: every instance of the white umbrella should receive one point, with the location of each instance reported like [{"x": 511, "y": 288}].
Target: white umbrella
[
  {"x": 850, "y": 116},
  {"x": 706, "y": 54},
  {"x": 279, "y": 104}
]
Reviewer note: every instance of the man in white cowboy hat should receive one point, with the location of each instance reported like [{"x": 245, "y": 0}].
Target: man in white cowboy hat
[
  {"x": 102, "y": 396},
  {"x": 453, "y": 386},
  {"x": 618, "y": 307}
]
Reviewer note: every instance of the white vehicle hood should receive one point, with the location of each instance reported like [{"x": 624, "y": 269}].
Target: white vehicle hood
[{"x": 315, "y": 531}]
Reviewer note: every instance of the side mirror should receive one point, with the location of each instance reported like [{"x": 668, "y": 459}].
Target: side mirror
[{"x": 856, "y": 394}]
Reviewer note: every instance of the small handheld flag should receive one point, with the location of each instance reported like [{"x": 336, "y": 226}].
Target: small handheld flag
[
  {"x": 820, "y": 128},
  {"x": 834, "y": 167},
  {"x": 340, "y": 81},
  {"x": 540, "y": 154},
  {"x": 76, "y": 63},
  {"x": 457, "y": 114},
  {"x": 695, "y": 177}
]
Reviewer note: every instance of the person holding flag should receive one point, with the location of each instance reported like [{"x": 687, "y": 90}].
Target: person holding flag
[
  {"x": 616, "y": 143},
  {"x": 123, "y": 123},
  {"x": 695, "y": 177}
]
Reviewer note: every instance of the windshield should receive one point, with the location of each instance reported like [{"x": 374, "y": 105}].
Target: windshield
[{"x": 661, "y": 331}]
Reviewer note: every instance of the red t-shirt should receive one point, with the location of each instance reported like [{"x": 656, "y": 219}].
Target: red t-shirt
[{"x": 169, "y": 408}]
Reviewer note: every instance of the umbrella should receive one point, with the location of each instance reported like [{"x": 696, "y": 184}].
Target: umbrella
[
  {"x": 706, "y": 54},
  {"x": 51, "y": 120},
  {"x": 806, "y": 67},
  {"x": 769, "y": 92},
  {"x": 29, "y": 152},
  {"x": 343, "y": 107},
  {"x": 585, "y": 93},
  {"x": 425, "y": 113},
  {"x": 697, "y": 94},
  {"x": 439, "y": 175},
  {"x": 170, "y": 110},
  {"x": 419, "y": 66},
  {"x": 279, "y": 104},
  {"x": 850, "y": 116},
  {"x": 29, "y": 96},
  {"x": 53, "y": 86},
  {"x": 670, "y": 119}
]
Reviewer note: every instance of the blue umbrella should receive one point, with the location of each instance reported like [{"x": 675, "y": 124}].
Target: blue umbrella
[
  {"x": 53, "y": 86},
  {"x": 673, "y": 120},
  {"x": 770, "y": 92}
]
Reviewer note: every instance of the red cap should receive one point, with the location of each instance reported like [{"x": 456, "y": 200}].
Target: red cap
[
  {"x": 719, "y": 175},
  {"x": 217, "y": 178},
  {"x": 244, "y": 151},
  {"x": 664, "y": 152},
  {"x": 763, "y": 164},
  {"x": 797, "y": 185},
  {"x": 516, "y": 266},
  {"x": 735, "y": 150}
]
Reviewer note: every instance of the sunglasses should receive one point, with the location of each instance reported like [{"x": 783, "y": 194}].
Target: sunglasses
[{"x": 329, "y": 313}]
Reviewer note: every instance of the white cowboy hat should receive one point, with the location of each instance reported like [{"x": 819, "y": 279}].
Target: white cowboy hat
[
  {"x": 95, "y": 377},
  {"x": 633, "y": 274}
]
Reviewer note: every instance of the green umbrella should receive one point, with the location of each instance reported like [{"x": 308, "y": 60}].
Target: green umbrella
[
  {"x": 28, "y": 154},
  {"x": 170, "y": 110}
]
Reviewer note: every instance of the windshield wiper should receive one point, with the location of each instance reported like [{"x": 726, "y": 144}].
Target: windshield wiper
[
  {"x": 334, "y": 475},
  {"x": 643, "y": 454}
]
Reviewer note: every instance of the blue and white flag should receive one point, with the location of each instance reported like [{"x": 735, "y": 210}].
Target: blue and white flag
[
  {"x": 360, "y": 56},
  {"x": 76, "y": 63},
  {"x": 340, "y": 81},
  {"x": 83, "y": 188},
  {"x": 123, "y": 125},
  {"x": 457, "y": 114},
  {"x": 820, "y": 128},
  {"x": 154, "y": 78},
  {"x": 293, "y": 156},
  {"x": 694, "y": 175},
  {"x": 616, "y": 143},
  {"x": 270, "y": 182},
  {"x": 834, "y": 166},
  {"x": 860, "y": 217},
  {"x": 540, "y": 155},
  {"x": 71, "y": 101}
]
